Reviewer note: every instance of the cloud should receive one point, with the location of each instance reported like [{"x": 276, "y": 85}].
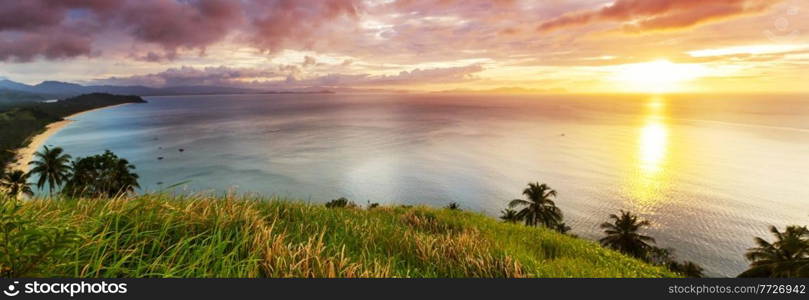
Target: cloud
[
  {"x": 51, "y": 46},
  {"x": 415, "y": 76},
  {"x": 308, "y": 61},
  {"x": 175, "y": 25},
  {"x": 288, "y": 76},
  {"x": 189, "y": 76},
  {"x": 170, "y": 25},
  {"x": 275, "y": 24},
  {"x": 649, "y": 15},
  {"x": 354, "y": 42}
]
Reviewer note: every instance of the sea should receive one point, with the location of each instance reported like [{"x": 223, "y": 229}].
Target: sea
[{"x": 710, "y": 172}]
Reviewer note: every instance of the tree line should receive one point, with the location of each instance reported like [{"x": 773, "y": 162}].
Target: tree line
[
  {"x": 787, "y": 256},
  {"x": 101, "y": 175}
]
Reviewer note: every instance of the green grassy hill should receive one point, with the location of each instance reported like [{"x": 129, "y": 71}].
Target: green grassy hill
[{"x": 201, "y": 236}]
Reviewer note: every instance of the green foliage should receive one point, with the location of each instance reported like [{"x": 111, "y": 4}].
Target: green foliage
[
  {"x": 453, "y": 206},
  {"x": 27, "y": 247},
  {"x": 102, "y": 175},
  {"x": 17, "y": 126},
  {"x": 562, "y": 228},
  {"x": 509, "y": 215},
  {"x": 665, "y": 257},
  {"x": 341, "y": 202},
  {"x": 10, "y": 97},
  {"x": 52, "y": 167},
  {"x": 157, "y": 235},
  {"x": 539, "y": 209},
  {"x": 787, "y": 256},
  {"x": 687, "y": 268},
  {"x": 622, "y": 235},
  {"x": 16, "y": 184}
]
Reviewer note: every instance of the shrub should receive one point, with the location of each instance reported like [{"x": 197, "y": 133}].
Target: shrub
[
  {"x": 341, "y": 202},
  {"x": 27, "y": 246},
  {"x": 453, "y": 206},
  {"x": 103, "y": 175}
]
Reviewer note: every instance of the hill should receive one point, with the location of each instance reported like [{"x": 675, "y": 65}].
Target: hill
[
  {"x": 9, "y": 96},
  {"x": 58, "y": 89},
  {"x": 157, "y": 235},
  {"x": 22, "y": 120}
]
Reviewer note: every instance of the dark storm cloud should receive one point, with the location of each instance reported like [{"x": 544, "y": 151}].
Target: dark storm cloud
[{"x": 63, "y": 29}]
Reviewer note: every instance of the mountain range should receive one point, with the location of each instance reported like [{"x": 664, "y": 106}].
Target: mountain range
[{"x": 11, "y": 91}]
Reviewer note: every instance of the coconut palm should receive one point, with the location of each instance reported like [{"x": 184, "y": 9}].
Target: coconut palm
[
  {"x": 52, "y": 166},
  {"x": 622, "y": 235},
  {"x": 539, "y": 209},
  {"x": 787, "y": 256},
  {"x": 509, "y": 215},
  {"x": 16, "y": 183},
  {"x": 562, "y": 228},
  {"x": 124, "y": 180},
  {"x": 687, "y": 268}
]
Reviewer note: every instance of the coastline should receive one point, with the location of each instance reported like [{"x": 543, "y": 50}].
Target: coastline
[{"x": 24, "y": 155}]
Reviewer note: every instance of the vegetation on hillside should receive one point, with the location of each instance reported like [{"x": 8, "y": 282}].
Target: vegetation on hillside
[
  {"x": 11, "y": 97},
  {"x": 158, "y": 235},
  {"x": 95, "y": 227},
  {"x": 21, "y": 121}
]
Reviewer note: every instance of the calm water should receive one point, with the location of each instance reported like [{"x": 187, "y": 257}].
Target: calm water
[{"x": 709, "y": 172}]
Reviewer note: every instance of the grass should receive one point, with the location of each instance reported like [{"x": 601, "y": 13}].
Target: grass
[{"x": 159, "y": 235}]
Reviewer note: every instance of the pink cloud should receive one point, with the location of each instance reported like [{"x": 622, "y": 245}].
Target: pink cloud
[
  {"x": 187, "y": 76},
  {"x": 51, "y": 46},
  {"x": 174, "y": 25},
  {"x": 277, "y": 23},
  {"x": 28, "y": 28},
  {"x": 646, "y": 15}
]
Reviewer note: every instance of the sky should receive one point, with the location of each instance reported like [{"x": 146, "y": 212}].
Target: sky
[{"x": 586, "y": 46}]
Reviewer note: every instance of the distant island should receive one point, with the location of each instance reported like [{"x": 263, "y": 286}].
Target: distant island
[
  {"x": 13, "y": 92},
  {"x": 20, "y": 122}
]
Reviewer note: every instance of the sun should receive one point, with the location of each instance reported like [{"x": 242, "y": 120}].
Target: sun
[{"x": 660, "y": 76}]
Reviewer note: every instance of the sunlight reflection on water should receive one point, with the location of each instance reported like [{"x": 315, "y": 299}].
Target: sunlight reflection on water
[{"x": 653, "y": 143}]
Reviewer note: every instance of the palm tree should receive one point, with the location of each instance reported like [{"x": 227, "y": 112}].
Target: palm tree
[
  {"x": 124, "y": 180},
  {"x": 509, "y": 215},
  {"x": 788, "y": 256},
  {"x": 52, "y": 167},
  {"x": 539, "y": 208},
  {"x": 622, "y": 235},
  {"x": 562, "y": 228},
  {"x": 16, "y": 183},
  {"x": 687, "y": 268}
]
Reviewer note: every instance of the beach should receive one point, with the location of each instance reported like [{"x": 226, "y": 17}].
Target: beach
[{"x": 25, "y": 155}]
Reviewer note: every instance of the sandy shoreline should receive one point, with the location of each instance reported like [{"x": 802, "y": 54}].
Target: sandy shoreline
[{"x": 26, "y": 154}]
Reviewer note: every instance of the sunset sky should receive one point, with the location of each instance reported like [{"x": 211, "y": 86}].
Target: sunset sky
[{"x": 571, "y": 45}]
